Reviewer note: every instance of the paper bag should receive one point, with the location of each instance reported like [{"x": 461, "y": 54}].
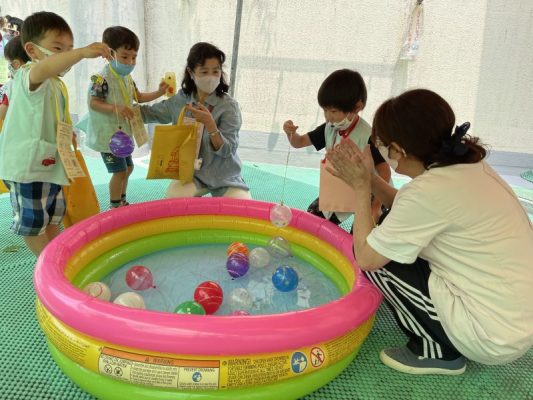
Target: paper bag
[
  {"x": 335, "y": 194},
  {"x": 80, "y": 197},
  {"x": 173, "y": 152},
  {"x": 3, "y": 188},
  {"x": 175, "y": 149}
]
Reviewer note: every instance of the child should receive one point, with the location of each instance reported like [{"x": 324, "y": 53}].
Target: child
[
  {"x": 342, "y": 96},
  {"x": 16, "y": 57},
  {"x": 111, "y": 97},
  {"x": 29, "y": 158}
]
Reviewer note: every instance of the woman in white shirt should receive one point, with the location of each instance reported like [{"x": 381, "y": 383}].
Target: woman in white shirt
[{"x": 453, "y": 258}]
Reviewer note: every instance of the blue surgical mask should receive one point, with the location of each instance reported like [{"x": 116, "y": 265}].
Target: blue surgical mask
[
  {"x": 6, "y": 38},
  {"x": 122, "y": 69}
]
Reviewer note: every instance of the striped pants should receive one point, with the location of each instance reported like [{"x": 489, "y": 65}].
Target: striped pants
[{"x": 405, "y": 289}]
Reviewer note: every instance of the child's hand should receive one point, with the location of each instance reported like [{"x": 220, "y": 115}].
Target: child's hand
[
  {"x": 163, "y": 86},
  {"x": 289, "y": 128},
  {"x": 124, "y": 111},
  {"x": 97, "y": 50}
]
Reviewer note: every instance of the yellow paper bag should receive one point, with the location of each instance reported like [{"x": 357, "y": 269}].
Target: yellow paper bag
[
  {"x": 80, "y": 197},
  {"x": 173, "y": 152}
]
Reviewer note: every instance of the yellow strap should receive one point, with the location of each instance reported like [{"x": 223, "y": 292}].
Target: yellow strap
[
  {"x": 64, "y": 93},
  {"x": 133, "y": 88},
  {"x": 181, "y": 116},
  {"x": 125, "y": 96}
]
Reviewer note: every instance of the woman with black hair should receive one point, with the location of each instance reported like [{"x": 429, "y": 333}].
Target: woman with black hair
[
  {"x": 453, "y": 258},
  {"x": 204, "y": 95}
]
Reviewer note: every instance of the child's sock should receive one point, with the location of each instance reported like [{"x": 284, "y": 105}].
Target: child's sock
[
  {"x": 123, "y": 201},
  {"x": 115, "y": 203}
]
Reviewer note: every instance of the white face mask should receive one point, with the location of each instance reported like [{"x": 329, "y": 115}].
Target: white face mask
[
  {"x": 342, "y": 125},
  {"x": 47, "y": 53},
  {"x": 206, "y": 84},
  {"x": 384, "y": 151}
]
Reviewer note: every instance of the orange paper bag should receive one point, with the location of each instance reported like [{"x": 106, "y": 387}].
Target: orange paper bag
[
  {"x": 335, "y": 194},
  {"x": 80, "y": 197}
]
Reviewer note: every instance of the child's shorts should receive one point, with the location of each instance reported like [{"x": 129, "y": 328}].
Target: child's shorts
[
  {"x": 35, "y": 206},
  {"x": 116, "y": 164}
]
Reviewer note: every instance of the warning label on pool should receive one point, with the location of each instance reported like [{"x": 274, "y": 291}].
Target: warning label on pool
[{"x": 159, "y": 371}]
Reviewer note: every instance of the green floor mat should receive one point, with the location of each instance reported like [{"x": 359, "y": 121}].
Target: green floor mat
[
  {"x": 28, "y": 372},
  {"x": 527, "y": 175}
]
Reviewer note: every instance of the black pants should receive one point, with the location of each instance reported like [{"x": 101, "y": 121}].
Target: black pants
[
  {"x": 313, "y": 208},
  {"x": 405, "y": 289}
]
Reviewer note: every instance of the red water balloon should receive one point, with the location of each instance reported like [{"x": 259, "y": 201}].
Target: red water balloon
[
  {"x": 209, "y": 295},
  {"x": 139, "y": 278}
]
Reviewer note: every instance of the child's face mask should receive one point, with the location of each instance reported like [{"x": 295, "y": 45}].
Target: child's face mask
[
  {"x": 48, "y": 53},
  {"x": 342, "y": 125},
  {"x": 122, "y": 69}
]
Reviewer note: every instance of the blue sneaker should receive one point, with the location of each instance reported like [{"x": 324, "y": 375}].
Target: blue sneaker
[{"x": 404, "y": 360}]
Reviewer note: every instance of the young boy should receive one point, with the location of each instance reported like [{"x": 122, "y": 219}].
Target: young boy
[
  {"x": 16, "y": 57},
  {"x": 342, "y": 96},
  {"x": 29, "y": 158},
  {"x": 111, "y": 97}
]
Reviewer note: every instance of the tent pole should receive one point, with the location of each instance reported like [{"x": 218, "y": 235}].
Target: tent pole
[{"x": 235, "y": 53}]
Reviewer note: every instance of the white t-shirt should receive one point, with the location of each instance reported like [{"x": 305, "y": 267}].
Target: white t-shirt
[{"x": 469, "y": 225}]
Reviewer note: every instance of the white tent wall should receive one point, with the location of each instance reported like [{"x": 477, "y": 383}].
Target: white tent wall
[
  {"x": 172, "y": 27},
  {"x": 476, "y": 54},
  {"x": 88, "y": 24}
]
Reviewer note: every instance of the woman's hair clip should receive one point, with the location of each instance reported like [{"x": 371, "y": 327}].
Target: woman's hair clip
[{"x": 454, "y": 144}]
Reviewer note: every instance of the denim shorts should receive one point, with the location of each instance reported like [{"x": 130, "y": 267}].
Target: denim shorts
[
  {"x": 116, "y": 164},
  {"x": 35, "y": 206}
]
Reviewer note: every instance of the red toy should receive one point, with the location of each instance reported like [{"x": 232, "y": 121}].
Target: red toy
[
  {"x": 139, "y": 278},
  {"x": 209, "y": 295}
]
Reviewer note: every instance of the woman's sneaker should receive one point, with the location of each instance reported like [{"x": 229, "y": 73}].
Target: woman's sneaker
[{"x": 404, "y": 360}]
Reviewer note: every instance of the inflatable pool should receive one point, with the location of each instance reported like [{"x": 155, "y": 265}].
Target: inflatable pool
[{"x": 115, "y": 352}]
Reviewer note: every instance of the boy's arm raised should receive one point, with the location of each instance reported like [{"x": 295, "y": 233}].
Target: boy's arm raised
[
  {"x": 146, "y": 97},
  {"x": 295, "y": 139},
  {"x": 55, "y": 64}
]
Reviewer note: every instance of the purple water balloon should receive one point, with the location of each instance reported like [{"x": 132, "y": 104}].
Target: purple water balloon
[
  {"x": 121, "y": 144},
  {"x": 237, "y": 265}
]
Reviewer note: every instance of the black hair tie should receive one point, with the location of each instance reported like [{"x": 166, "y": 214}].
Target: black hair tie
[{"x": 454, "y": 145}]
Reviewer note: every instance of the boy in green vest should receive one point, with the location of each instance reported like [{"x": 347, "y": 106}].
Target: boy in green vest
[
  {"x": 30, "y": 162},
  {"x": 342, "y": 96}
]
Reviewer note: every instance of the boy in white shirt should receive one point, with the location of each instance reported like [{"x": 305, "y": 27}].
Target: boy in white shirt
[{"x": 29, "y": 158}]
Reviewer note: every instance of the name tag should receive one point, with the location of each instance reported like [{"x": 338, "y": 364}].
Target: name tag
[{"x": 66, "y": 151}]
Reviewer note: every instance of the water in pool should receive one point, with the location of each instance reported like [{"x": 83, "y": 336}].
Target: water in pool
[{"x": 178, "y": 271}]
